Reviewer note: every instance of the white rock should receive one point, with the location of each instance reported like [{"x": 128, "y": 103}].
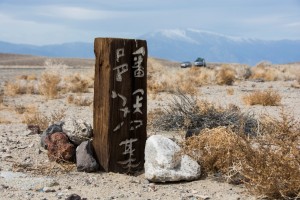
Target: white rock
[
  {"x": 164, "y": 161},
  {"x": 77, "y": 130}
]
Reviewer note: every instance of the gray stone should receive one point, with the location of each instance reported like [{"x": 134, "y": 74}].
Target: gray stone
[
  {"x": 77, "y": 130},
  {"x": 85, "y": 160},
  {"x": 54, "y": 128},
  {"x": 164, "y": 161}
]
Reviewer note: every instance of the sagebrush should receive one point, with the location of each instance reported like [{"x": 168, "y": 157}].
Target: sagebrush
[
  {"x": 268, "y": 164},
  {"x": 267, "y": 97}
]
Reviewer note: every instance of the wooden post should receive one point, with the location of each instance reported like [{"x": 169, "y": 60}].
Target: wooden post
[{"x": 120, "y": 104}]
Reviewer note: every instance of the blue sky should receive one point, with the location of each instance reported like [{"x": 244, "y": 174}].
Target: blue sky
[{"x": 58, "y": 21}]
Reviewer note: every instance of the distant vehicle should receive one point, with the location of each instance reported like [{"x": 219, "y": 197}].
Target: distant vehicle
[
  {"x": 185, "y": 64},
  {"x": 200, "y": 62}
]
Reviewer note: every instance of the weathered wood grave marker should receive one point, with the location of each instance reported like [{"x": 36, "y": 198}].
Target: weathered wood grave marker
[{"x": 120, "y": 103}]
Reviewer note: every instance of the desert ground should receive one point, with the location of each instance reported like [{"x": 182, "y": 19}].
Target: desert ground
[{"x": 27, "y": 173}]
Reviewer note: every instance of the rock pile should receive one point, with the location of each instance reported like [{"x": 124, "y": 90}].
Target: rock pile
[
  {"x": 164, "y": 160},
  {"x": 70, "y": 141}
]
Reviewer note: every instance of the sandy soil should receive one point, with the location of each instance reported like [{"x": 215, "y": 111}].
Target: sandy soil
[{"x": 26, "y": 172}]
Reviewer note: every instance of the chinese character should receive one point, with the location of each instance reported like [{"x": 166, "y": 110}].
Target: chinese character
[
  {"x": 138, "y": 59},
  {"x": 120, "y": 53},
  {"x": 137, "y": 106},
  {"x": 139, "y": 122},
  {"x": 121, "y": 69},
  {"x": 128, "y": 151},
  {"x": 125, "y": 109}
]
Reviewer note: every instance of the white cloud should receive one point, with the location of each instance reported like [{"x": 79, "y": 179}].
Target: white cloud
[
  {"x": 31, "y": 32},
  {"x": 293, "y": 25},
  {"x": 76, "y": 13}
]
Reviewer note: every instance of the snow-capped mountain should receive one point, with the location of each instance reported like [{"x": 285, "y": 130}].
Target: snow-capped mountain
[{"x": 181, "y": 45}]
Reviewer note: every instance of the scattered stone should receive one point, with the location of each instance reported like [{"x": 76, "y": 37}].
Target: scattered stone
[
  {"x": 48, "y": 189},
  {"x": 3, "y": 187},
  {"x": 6, "y": 156},
  {"x": 54, "y": 128},
  {"x": 35, "y": 129},
  {"x": 77, "y": 130},
  {"x": 202, "y": 197},
  {"x": 85, "y": 160},
  {"x": 74, "y": 197},
  {"x": 27, "y": 133},
  {"x": 59, "y": 147},
  {"x": 165, "y": 162},
  {"x": 192, "y": 132}
]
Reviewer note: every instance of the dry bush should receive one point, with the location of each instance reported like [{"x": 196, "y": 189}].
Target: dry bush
[
  {"x": 274, "y": 170},
  {"x": 187, "y": 112},
  {"x": 226, "y": 75},
  {"x": 230, "y": 91},
  {"x": 49, "y": 84},
  {"x": 264, "y": 71},
  {"x": 14, "y": 88},
  {"x": 267, "y": 97},
  {"x": 42, "y": 120},
  {"x": 4, "y": 121},
  {"x": 79, "y": 100},
  {"x": 218, "y": 150},
  {"x": 1, "y": 98},
  {"x": 31, "y": 77},
  {"x": 21, "y": 109},
  {"x": 185, "y": 80},
  {"x": 268, "y": 164},
  {"x": 77, "y": 83}
]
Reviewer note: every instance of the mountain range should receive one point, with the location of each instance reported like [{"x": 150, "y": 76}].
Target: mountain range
[{"x": 183, "y": 45}]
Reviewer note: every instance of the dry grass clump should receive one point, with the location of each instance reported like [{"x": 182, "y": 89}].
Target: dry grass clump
[
  {"x": 20, "y": 86},
  {"x": 187, "y": 112},
  {"x": 4, "y": 121},
  {"x": 31, "y": 77},
  {"x": 218, "y": 149},
  {"x": 268, "y": 164},
  {"x": 21, "y": 109},
  {"x": 79, "y": 100},
  {"x": 230, "y": 91},
  {"x": 274, "y": 169},
  {"x": 264, "y": 71},
  {"x": 77, "y": 83},
  {"x": 267, "y": 97},
  {"x": 1, "y": 99},
  {"x": 226, "y": 75},
  {"x": 185, "y": 80},
  {"x": 49, "y": 84},
  {"x": 14, "y": 88},
  {"x": 42, "y": 120}
]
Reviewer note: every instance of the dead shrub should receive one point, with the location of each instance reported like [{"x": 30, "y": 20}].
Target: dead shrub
[
  {"x": 79, "y": 100},
  {"x": 31, "y": 77},
  {"x": 21, "y": 109},
  {"x": 4, "y": 121},
  {"x": 274, "y": 169},
  {"x": 77, "y": 83},
  {"x": 14, "y": 88},
  {"x": 187, "y": 112},
  {"x": 1, "y": 98},
  {"x": 230, "y": 91},
  {"x": 268, "y": 164},
  {"x": 42, "y": 120},
  {"x": 49, "y": 84},
  {"x": 264, "y": 71},
  {"x": 218, "y": 150},
  {"x": 226, "y": 76},
  {"x": 267, "y": 97}
]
